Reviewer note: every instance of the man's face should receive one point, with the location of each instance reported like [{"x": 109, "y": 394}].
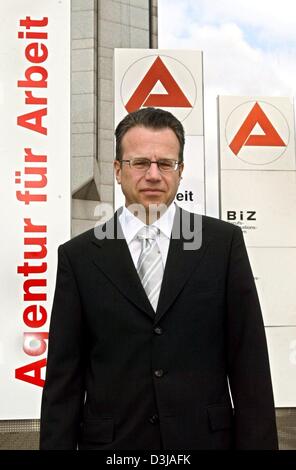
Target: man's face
[{"x": 151, "y": 186}]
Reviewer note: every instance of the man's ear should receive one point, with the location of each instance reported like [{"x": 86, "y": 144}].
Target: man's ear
[
  {"x": 180, "y": 169},
  {"x": 117, "y": 170}
]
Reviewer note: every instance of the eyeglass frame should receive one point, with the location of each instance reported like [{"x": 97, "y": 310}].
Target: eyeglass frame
[{"x": 177, "y": 164}]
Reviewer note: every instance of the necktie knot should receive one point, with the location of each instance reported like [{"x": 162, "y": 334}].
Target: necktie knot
[{"x": 148, "y": 232}]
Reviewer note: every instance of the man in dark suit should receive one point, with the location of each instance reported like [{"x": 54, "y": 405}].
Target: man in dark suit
[{"x": 155, "y": 343}]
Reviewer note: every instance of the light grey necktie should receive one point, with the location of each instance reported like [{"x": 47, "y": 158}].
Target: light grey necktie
[{"x": 150, "y": 266}]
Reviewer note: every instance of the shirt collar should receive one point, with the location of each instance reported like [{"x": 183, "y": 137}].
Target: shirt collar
[{"x": 131, "y": 224}]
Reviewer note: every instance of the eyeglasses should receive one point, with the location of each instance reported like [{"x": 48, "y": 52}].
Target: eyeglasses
[{"x": 165, "y": 165}]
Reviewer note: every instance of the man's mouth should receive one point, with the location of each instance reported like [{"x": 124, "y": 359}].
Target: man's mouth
[{"x": 151, "y": 190}]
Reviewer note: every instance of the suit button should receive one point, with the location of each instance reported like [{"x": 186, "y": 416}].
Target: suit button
[
  {"x": 154, "y": 419},
  {"x": 158, "y": 373},
  {"x": 158, "y": 330}
]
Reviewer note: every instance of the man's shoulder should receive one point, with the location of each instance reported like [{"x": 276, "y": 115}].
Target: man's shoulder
[
  {"x": 93, "y": 235},
  {"x": 79, "y": 241},
  {"x": 212, "y": 223}
]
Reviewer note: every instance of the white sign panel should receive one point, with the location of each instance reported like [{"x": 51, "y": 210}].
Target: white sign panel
[
  {"x": 282, "y": 356},
  {"x": 35, "y": 184},
  {"x": 263, "y": 203},
  {"x": 274, "y": 273},
  {"x": 256, "y": 133},
  {"x": 169, "y": 79},
  {"x": 258, "y": 193},
  {"x": 172, "y": 80}
]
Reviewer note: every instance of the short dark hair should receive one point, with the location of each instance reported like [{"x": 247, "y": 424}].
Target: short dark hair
[{"x": 152, "y": 118}]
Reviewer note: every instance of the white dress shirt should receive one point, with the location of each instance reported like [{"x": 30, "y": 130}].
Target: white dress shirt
[{"x": 131, "y": 225}]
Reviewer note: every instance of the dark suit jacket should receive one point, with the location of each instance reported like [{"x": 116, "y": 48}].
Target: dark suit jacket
[{"x": 120, "y": 376}]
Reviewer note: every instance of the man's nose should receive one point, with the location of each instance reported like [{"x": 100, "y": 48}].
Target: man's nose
[{"x": 153, "y": 172}]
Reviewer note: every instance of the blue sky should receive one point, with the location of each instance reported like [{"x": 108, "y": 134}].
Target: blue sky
[
  {"x": 255, "y": 37},
  {"x": 265, "y": 22}
]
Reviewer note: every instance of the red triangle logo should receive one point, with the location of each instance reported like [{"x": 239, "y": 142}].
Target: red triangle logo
[
  {"x": 270, "y": 138},
  {"x": 142, "y": 96}
]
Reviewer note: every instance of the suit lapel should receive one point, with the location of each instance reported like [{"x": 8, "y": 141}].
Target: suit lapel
[
  {"x": 112, "y": 256},
  {"x": 180, "y": 262}
]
